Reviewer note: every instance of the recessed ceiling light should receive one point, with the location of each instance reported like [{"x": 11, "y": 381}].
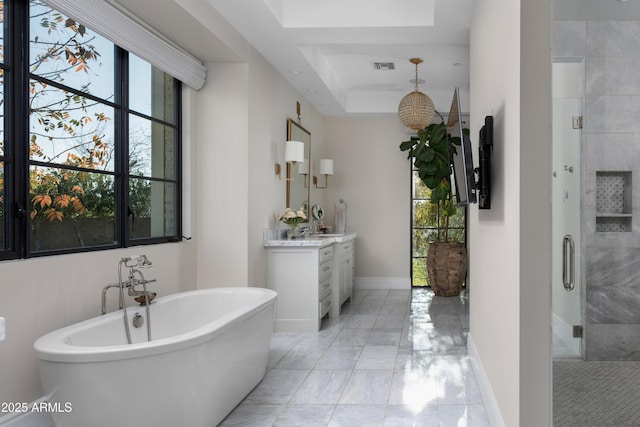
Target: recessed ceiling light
[
  {"x": 295, "y": 71},
  {"x": 312, "y": 90}
]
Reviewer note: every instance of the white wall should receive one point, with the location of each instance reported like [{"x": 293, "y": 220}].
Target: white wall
[
  {"x": 223, "y": 178},
  {"x": 372, "y": 175},
  {"x": 509, "y": 244},
  {"x": 272, "y": 100},
  {"x": 242, "y": 126}
]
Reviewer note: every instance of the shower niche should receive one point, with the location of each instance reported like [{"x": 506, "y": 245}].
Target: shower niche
[{"x": 613, "y": 201}]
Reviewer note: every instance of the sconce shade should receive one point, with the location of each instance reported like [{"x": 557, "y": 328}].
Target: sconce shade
[
  {"x": 416, "y": 109},
  {"x": 326, "y": 167},
  {"x": 294, "y": 151},
  {"x": 303, "y": 168}
]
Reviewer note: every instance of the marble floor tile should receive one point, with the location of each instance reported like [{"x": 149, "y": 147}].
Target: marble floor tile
[
  {"x": 389, "y": 321},
  {"x": 399, "y": 296},
  {"x": 358, "y": 415},
  {"x": 366, "y": 309},
  {"x": 367, "y": 386},
  {"x": 416, "y": 336},
  {"x": 302, "y": 357},
  {"x": 377, "y": 357},
  {"x": 305, "y": 415},
  {"x": 456, "y": 381},
  {"x": 396, "y": 308},
  {"x": 361, "y": 321},
  {"x": 252, "y": 415},
  {"x": 414, "y": 388},
  {"x": 462, "y": 415},
  {"x": 384, "y": 337},
  {"x": 359, "y": 295},
  {"x": 376, "y": 297},
  {"x": 340, "y": 357},
  {"x": 412, "y": 360},
  {"x": 277, "y": 386},
  {"x": 321, "y": 386},
  {"x": 351, "y": 336},
  {"x": 420, "y": 311},
  {"x": 411, "y": 415},
  {"x": 392, "y": 358}
]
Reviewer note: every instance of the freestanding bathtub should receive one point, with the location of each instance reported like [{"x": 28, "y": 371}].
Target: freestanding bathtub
[{"x": 210, "y": 348}]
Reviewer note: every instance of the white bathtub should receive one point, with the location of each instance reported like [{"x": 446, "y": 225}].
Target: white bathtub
[{"x": 209, "y": 350}]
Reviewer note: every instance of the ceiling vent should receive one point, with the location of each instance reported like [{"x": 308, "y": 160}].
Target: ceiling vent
[{"x": 384, "y": 66}]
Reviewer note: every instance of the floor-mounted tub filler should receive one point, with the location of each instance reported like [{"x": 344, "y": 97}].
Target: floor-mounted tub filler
[{"x": 210, "y": 348}]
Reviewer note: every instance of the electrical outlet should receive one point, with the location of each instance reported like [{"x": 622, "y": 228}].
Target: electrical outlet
[{"x": 2, "y": 334}]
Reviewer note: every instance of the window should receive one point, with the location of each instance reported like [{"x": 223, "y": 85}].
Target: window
[
  {"x": 91, "y": 153},
  {"x": 424, "y": 228}
]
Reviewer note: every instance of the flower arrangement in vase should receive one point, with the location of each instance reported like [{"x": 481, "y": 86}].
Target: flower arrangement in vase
[{"x": 292, "y": 219}]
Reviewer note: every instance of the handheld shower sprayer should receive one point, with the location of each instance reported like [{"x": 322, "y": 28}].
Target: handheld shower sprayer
[{"x": 140, "y": 261}]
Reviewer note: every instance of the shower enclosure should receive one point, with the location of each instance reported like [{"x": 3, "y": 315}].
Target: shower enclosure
[
  {"x": 596, "y": 213},
  {"x": 596, "y": 192}
]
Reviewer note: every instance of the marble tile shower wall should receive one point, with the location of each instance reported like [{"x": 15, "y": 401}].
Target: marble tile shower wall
[{"x": 611, "y": 54}]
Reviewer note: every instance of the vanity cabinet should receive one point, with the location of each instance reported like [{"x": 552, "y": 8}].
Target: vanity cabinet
[
  {"x": 303, "y": 278},
  {"x": 344, "y": 272}
]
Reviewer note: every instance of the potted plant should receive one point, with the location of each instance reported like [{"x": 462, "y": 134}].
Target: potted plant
[{"x": 432, "y": 154}]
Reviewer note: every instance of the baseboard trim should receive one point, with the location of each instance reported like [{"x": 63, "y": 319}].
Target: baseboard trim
[
  {"x": 489, "y": 399},
  {"x": 382, "y": 283}
]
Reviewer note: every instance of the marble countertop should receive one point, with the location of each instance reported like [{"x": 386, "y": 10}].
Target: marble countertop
[{"x": 312, "y": 241}]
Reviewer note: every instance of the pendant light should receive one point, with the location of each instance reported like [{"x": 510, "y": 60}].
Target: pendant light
[{"x": 416, "y": 109}]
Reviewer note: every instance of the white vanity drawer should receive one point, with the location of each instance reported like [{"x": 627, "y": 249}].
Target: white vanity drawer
[
  {"x": 324, "y": 288},
  {"x": 324, "y": 270},
  {"x": 324, "y": 307},
  {"x": 325, "y": 254},
  {"x": 345, "y": 247}
]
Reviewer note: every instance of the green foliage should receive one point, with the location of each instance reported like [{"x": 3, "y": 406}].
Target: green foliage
[{"x": 432, "y": 153}]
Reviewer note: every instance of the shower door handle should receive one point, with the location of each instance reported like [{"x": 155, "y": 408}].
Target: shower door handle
[{"x": 568, "y": 271}]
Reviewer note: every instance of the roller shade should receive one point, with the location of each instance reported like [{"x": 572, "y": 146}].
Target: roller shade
[{"x": 130, "y": 33}]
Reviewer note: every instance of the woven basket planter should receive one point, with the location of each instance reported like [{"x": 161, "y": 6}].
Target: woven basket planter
[{"x": 447, "y": 268}]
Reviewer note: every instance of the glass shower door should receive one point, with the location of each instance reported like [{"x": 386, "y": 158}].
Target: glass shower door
[{"x": 567, "y": 322}]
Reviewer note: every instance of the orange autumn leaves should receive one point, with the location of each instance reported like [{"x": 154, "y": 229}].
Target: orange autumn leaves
[{"x": 55, "y": 208}]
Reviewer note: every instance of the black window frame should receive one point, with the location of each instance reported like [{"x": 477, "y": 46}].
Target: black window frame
[
  {"x": 413, "y": 228},
  {"x": 16, "y": 144}
]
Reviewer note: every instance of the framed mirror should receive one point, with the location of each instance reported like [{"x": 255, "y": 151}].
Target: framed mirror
[{"x": 298, "y": 188}]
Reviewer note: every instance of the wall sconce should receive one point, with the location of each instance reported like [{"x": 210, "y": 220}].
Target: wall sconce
[
  {"x": 303, "y": 169},
  {"x": 326, "y": 169},
  {"x": 293, "y": 153}
]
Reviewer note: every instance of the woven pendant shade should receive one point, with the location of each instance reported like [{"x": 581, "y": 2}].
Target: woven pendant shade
[{"x": 416, "y": 109}]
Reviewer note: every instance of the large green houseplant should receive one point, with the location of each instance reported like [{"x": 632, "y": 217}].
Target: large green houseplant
[{"x": 432, "y": 154}]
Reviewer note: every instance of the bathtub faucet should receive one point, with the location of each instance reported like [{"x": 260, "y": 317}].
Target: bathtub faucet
[
  {"x": 135, "y": 278},
  {"x": 140, "y": 281},
  {"x": 104, "y": 297}
]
